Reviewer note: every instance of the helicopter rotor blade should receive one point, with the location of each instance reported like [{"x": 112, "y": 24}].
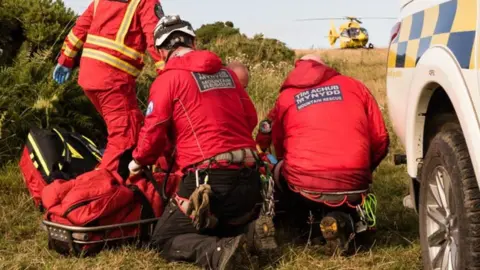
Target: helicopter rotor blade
[
  {"x": 319, "y": 19},
  {"x": 348, "y": 18},
  {"x": 378, "y": 18}
]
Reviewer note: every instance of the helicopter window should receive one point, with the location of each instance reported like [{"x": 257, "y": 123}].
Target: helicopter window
[
  {"x": 344, "y": 33},
  {"x": 353, "y": 32},
  {"x": 364, "y": 31}
]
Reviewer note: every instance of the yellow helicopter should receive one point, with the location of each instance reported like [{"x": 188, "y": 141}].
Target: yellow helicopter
[{"x": 350, "y": 34}]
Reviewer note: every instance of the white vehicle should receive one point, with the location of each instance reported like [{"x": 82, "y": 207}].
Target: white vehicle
[{"x": 434, "y": 105}]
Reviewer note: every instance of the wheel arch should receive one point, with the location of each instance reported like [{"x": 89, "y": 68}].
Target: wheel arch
[{"x": 433, "y": 87}]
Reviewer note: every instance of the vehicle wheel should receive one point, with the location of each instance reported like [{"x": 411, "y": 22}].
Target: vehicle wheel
[
  {"x": 370, "y": 46},
  {"x": 449, "y": 198}
]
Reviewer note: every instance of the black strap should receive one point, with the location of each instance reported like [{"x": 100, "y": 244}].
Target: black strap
[
  {"x": 68, "y": 155},
  {"x": 146, "y": 213},
  {"x": 167, "y": 175},
  {"x": 149, "y": 175},
  {"x": 147, "y": 210},
  {"x": 85, "y": 143}
]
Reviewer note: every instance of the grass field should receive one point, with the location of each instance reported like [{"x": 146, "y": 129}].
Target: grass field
[{"x": 23, "y": 245}]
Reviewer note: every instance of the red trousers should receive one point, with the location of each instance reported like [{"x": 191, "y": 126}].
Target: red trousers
[{"x": 123, "y": 118}]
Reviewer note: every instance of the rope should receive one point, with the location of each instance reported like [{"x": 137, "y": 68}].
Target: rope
[{"x": 370, "y": 208}]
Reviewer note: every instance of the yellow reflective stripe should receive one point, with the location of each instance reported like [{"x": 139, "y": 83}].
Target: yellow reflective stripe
[
  {"x": 90, "y": 141},
  {"x": 113, "y": 45},
  {"x": 160, "y": 64},
  {"x": 111, "y": 60},
  {"x": 96, "y": 156},
  {"x": 76, "y": 42},
  {"x": 40, "y": 158},
  {"x": 59, "y": 135},
  {"x": 94, "y": 145},
  {"x": 69, "y": 52},
  {"x": 127, "y": 20},
  {"x": 61, "y": 138}
]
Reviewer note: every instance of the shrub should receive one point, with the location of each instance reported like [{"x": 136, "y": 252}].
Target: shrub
[
  {"x": 228, "y": 41},
  {"x": 36, "y": 24},
  {"x": 208, "y": 33},
  {"x": 28, "y": 97}
]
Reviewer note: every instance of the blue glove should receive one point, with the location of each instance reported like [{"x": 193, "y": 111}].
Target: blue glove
[{"x": 61, "y": 73}]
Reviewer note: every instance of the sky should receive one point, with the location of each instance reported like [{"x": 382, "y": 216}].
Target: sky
[{"x": 277, "y": 18}]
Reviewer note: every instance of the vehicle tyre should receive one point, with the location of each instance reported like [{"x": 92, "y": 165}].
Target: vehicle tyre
[
  {"x": 370, "y": 46},
  {"x": 449, "y": 205}
]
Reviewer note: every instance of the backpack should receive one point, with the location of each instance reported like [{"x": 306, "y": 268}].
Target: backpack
[{"x": 51, "y": 154}]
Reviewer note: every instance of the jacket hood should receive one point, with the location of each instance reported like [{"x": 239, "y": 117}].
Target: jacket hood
[
  {"x": 308, "y": 73},
  {"x": 196, "y": 61}
]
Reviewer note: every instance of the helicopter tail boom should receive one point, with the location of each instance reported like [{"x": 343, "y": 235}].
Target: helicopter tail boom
[{"x": 332, "y": 34}]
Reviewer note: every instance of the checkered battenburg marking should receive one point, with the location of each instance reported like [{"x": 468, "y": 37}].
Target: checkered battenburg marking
[{"x": 452, "y": 24}]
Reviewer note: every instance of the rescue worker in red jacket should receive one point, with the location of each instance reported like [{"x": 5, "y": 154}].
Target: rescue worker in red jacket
[
  {"x": 241, "y": 71},
  {"x": 211, "y": 117},
  {"x": 114, "y": 36},
  {"x": 328, "y": 131}
]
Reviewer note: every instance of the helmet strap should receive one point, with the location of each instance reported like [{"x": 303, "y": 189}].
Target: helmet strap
[
  {"x": 170, "y": 52},
  {"x": 175, "y": 51}
]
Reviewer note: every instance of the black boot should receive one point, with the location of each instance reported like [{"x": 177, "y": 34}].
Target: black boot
[
  {"x": 338, "y": 230},
  {"x": 235, "y": 254},
  {"x": 261, "y": 235}
]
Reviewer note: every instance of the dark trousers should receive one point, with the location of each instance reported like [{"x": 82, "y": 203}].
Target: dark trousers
[
  {"x": 236, "y": 193},
  {"x": 293, "y": 209}
]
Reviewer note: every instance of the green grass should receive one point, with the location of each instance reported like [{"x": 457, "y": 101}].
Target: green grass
[{"x": 23, "y": 245}]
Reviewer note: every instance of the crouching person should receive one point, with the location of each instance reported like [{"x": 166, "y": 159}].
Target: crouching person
[
  {"x": 329, "y": 134},
  {"x": 209, "y": 116}
]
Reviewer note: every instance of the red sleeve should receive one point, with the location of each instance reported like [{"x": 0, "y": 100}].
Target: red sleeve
[
  {"x": 379, "y": 139},
  {"x": 152, "y": 139},
  {"x": 148, "y": 21},
  {"x": 265, "y": 140},
  {"x": 76, "y": 38},
  {"x": 278, "y": 132}
]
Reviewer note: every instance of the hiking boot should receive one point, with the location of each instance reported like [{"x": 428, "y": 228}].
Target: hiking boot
[
  {"x": 235, "y": 254},
  {"x": 337, "y": 229},
  {"x": 261, "y": 235}
]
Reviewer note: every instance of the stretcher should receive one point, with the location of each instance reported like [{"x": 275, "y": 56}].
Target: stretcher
[{"x": 85, "y": 241}]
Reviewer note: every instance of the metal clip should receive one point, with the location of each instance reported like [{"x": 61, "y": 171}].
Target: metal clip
[
  {"x": 197, "y": 180},
  {"x": 361, "y": 213}
]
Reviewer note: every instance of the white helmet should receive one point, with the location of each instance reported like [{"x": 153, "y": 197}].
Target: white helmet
[{"x": 168, "y": 25}]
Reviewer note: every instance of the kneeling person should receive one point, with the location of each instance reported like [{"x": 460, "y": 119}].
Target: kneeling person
[
  {"x": 330, "y": 135},
  {"x": 209, "y": 116}
]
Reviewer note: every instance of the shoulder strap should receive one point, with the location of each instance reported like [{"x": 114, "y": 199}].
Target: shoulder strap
[
  {"x": 92, "y": 148},
  {"x": 68, "y": 155}
]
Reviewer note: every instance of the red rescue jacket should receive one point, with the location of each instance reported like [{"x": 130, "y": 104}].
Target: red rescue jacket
[
  {"x": 203, "y": 105},
  {"x": 114, "y": 36},
  {"x": 328, "y": 129}
]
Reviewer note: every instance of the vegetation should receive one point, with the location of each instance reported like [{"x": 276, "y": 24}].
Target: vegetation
[{"x": 28, "y": 96}]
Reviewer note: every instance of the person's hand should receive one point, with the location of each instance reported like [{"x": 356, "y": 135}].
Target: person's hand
[
  {"x": 61, "y": 73},
  {"x": 134, "y": 167}
]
